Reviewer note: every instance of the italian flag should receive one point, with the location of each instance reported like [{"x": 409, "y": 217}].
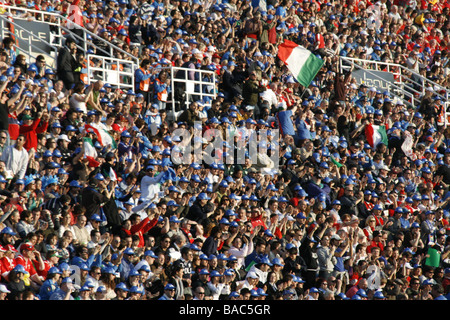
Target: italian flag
[
  {"x": 112, "y": 174},
  {"x": 375, "y": 134},
  {"x": 302, "y": 63},
  {"x": 90, "y": 153},
  {"x": 337, "y": 163},
  {"x": 103, "y": 136}
]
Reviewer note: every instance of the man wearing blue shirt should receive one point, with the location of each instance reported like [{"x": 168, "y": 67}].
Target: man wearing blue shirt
[
  {"x": 65, "y": 292},
  {"x": 285, "y": 121},
  {"x": 51, "y": 284},
  {"x": 142, "y": 79}
]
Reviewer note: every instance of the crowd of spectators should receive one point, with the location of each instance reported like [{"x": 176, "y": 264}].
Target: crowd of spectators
[{"x": 94, "y": 207}]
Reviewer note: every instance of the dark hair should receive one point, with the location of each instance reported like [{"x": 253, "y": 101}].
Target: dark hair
[
  {"x": 145, "y": 63},
  {"x": 134, "y": 217},
  {"x": 70, "y": 40},
  {"x": 25, "y": 214},
  {"x": 185, "y": 250},
  {"x": 214, "y": 231}
]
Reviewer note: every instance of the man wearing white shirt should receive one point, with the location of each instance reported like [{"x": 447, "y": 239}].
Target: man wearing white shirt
[
  {"x": 240, "y": 250},
  {"x": 250, "y": 281},
  {"x": 15, "y": 158},
  {"x": 150, "y": 184},
  {"x": 147, "y": 260},
  {"x": 262, "y": 269}
]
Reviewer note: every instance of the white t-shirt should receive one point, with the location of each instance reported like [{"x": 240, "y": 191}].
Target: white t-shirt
[{"x": 75, "y": 103}]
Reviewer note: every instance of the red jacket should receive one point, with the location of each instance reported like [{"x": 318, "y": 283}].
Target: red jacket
[
  {"x": 14, "y": 126},
  {"x": 141, "y": 228},
  {"x": 6, "y": 266},
  {"x": 257, "y": 221},
  {"x": 27, "y": 264},
  {"x": 31, "y": 132},
  {"x": 374, "y": 244}
]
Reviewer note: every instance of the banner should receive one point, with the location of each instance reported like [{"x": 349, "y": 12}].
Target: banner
[
  {"x": 378, "y": 79},
  {"x": 39, "y": 31}
]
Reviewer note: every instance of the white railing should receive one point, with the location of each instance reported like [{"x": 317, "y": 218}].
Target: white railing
[
  {"x": 407, "y": 82},
  {"x": 107, "y": 57},
  {"x": 447, "y": 112},
  {"x": 31, "y": 50},
  {"x": 114, "y": 71},
  {"x": 61, "y": 31},
  {"x": 192, "y": 90}
]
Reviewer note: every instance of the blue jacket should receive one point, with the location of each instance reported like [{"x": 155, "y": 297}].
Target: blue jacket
[{"x": 47, "y": 289}]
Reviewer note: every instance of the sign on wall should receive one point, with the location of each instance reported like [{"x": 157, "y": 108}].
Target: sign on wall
[
  {"x": 37, "y": 31},
  {"x": 372, "y": 78}
]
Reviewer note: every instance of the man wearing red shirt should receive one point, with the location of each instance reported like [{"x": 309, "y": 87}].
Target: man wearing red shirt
[
  {"x": 51, "y": 261},
  {"x": 25, "y": 259},
  {"x": 30, "y": 129},
  {"x": 256, "y": 218},
  {"x": 376, "y": 241},
  {"x": 7, "y": 262},
  {"x": 446, "y": 280},
  {"x": 433, "y": 35},
  {"x": 75, "y": 16},
  {"x": 140, "y": 227}
]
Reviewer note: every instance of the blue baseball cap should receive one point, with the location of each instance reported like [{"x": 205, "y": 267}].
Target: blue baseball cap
[
  {"x": 122, "y": 286},
  {"x": 203, "y": 196},
  {"x": 150, "y": 253},
  {"x": 99, "y": 177}
]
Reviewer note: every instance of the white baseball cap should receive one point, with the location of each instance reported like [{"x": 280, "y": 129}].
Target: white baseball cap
[{"x": 4, "y": 289}]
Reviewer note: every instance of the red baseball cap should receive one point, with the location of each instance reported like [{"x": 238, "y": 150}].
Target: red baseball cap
[
  {"x": 10, "y": 247},
  {"x": 27, "y": 246}
]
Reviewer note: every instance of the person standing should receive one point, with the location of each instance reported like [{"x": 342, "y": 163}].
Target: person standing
[
  {"x": 66, "y": 63},
  {"x": 251, "y": 90},
  {"x": 325, "y": 254},
  {"x": 308, "y": 251},
  {"x": 32, "y": 127},
  {"x": 76, "y": 17},
  {"x": 6, "y": 103},
  {"x": 161, "y": 89},
  {"x": 16, "y": 158},
  {"x": 142, "y": 80}
]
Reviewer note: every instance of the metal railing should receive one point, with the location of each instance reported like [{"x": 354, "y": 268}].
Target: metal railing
[
  {"x": 185, "y": 90},
  {"x": 447, "y": 112},
  {"x": 408, "y": 85},
  {"x": 31, "y": 48},
  {"x": 62, "y": 32},
  {"x": 105, "y": 53},
  {"x": 110, "y": 70}
]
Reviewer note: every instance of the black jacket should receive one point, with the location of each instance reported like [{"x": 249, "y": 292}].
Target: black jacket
[
  {"x": 197, "y": 213},
  {"x": 66, "y": 61},
  {"x": 309, "y": 254}
]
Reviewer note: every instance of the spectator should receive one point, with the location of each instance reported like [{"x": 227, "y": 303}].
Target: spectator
[
  {"x": 162, "y": 89},
  {"x": 383, "y": 205},
  {"x": 65, "y": 291},
  {"x": 142, "y": 79},
  {"x": 66, "y": 63},
  {"x": 31, "y": 128}
]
